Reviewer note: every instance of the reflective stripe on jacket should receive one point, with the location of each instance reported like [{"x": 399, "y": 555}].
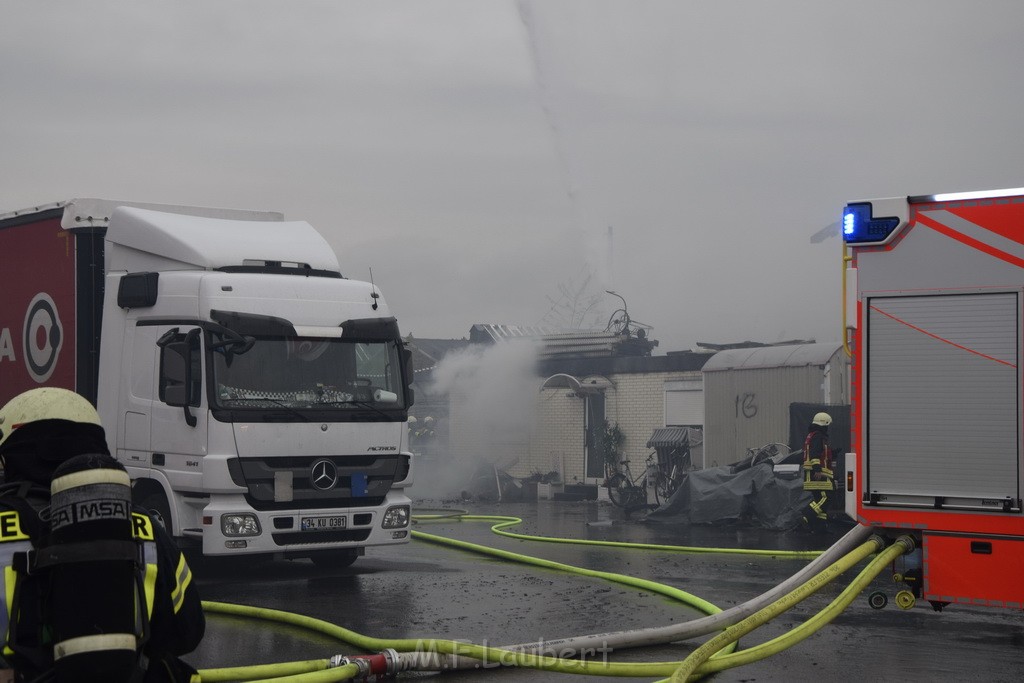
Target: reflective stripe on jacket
[
  {"x": 817, "y": 460},
  {"x": 14, "y": 541}
]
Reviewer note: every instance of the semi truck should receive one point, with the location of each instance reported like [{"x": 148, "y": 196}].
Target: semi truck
[
  {"x": 933, "y": 311},
  {"x": 258, "y": 399}
]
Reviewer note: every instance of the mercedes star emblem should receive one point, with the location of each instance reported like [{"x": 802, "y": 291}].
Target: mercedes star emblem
[{"x": 323, "y": 475}]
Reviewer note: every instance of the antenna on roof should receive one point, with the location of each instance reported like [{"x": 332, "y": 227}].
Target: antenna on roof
[{"x": 373, "y": 291}]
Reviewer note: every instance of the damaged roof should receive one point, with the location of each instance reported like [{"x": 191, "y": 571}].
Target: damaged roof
[{"x": 571, "y": 343}]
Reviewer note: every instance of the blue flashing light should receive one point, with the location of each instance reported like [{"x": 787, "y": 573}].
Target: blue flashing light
[
  {"x": 849, "y": 222},
  {"x": 860, "y": 226}
]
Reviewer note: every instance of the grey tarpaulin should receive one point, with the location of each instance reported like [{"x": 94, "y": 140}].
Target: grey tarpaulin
[{"x": 720, "y": 494}]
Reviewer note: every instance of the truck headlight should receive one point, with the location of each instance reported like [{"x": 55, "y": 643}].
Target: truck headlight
[
  {"x": 240, "y": 525},
  {"x": 396, "y": 517}
]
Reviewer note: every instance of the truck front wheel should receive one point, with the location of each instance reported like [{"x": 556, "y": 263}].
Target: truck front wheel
[
  {"x": 156, "y": 503},
  {"x": 335, "y": 559}
]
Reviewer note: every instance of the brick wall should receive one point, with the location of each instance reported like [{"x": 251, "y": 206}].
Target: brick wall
[
  {"x": 558, "y": 442},
  {"x": 637, "y": 406}
]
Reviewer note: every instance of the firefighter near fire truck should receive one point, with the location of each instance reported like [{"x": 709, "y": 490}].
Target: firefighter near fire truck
[
  {"x": 819, "y": 479},
  {"x": 96, "y": 590}
]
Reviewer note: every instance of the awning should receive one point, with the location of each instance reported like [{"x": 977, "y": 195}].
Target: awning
[
  {"x": 667, "y": 437},
  {"x": 592, "y": 384}
]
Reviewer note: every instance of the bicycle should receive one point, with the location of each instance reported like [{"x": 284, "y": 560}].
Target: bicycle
[
  {"x": 670, "y": 471},
  {"x": 627, "y": 491}
]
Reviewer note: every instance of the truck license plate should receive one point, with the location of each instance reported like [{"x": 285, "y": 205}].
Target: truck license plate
[{"x": 322, "y": 523}]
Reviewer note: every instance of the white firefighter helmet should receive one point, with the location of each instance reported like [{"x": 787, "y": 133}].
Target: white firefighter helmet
[
  {"x": 45, "y": 403},
  {"x": 822, "y": 419},
  {"x": 412, "y": 419},
  {"x": 428, "y": 420}
]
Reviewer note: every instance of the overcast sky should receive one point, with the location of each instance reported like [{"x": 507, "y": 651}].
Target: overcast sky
[{"x": 488, "y": 158}]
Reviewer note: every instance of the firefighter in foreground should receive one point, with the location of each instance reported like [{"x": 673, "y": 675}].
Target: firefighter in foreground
[
  {"x": 95, "y": 591},
  {"x": 819, "y": 479}
]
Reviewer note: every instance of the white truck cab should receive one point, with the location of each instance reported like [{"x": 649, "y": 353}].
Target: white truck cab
[{"x": 258, "y": 399}]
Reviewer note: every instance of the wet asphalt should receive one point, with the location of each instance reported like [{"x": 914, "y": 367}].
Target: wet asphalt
[{"x": 425, "y": 590}]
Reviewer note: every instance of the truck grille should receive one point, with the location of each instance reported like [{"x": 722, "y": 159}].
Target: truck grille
[{"x": 359, "y": 481}]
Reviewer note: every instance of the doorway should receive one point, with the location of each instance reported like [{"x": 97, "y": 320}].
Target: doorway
[{"x": 593, "y": 453}]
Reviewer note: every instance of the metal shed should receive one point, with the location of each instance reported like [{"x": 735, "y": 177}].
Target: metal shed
[{"x": 747, "y": 394}]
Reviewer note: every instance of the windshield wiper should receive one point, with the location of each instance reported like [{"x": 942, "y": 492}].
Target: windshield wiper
[
  {"x": 361, "y": 404},
  {"x": 291, "y": 410}
]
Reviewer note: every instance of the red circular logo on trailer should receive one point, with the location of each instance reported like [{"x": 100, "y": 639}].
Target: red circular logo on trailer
[{"x": 43, "y": 337}]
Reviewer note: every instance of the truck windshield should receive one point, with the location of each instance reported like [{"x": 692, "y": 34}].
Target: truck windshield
[{"x": 307, "y": 373}]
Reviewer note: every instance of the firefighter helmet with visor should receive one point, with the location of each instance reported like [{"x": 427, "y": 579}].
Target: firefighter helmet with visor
[{"x": 45, "y": 403}]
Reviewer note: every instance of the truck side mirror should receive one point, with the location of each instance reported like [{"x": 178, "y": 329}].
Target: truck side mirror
[
  {"x": 178, "y": 385},
  {"x": 409, "y": 375}
]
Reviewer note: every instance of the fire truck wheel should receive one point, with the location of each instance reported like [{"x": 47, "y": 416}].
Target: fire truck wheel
[
  {"x": 878, "y": 600},
  {"x": 905, "y": 599}
]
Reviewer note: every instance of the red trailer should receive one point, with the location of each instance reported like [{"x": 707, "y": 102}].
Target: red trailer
[
  {"x": 50, "y": 315},
  {"x": 933, "y": 313}
]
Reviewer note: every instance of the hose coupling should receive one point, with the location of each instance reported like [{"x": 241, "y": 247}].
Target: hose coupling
[
  {"x": 361, "y": 664},
  {"x": 381, "y": 665},
  {"x": 908, "y": 543},
  {"x": 394, "y": 662}
]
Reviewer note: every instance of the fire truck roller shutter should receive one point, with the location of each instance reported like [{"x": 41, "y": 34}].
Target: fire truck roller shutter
[{"x": 942, "y": 383}]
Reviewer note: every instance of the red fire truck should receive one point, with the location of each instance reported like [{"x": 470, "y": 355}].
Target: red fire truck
[{"x": 933, "y": 299}]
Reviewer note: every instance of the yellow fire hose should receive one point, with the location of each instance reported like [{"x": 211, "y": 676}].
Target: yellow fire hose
[{"x": 432, "y": 654}]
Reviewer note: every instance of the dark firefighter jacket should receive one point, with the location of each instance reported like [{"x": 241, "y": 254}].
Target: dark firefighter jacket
[
  {"x": 817, "y": 460},
  {"x": 176, "y": 620},
  {"x": 173, "y": 607}
]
